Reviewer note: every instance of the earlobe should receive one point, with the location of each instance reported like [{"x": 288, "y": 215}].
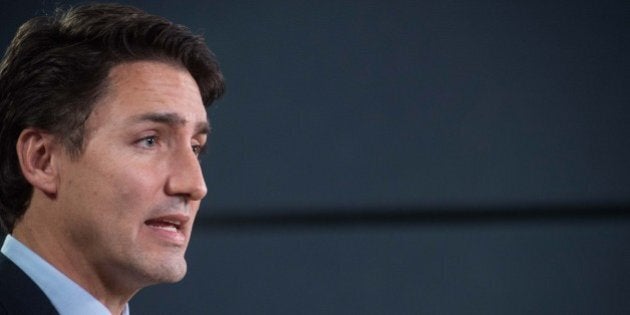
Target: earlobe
[{"x": 36, "y": 156}]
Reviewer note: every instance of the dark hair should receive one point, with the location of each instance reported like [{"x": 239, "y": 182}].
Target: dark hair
[{"x": 56, "y": 67}]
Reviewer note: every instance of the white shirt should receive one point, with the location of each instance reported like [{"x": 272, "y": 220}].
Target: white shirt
[{"x": 68, "y": 297}]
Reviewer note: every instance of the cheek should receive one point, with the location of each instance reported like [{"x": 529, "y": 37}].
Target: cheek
[
  {"x": 116, "y": 193},
  {"x": 133, "y": 192},
  {"x": 115, "y": 184}
]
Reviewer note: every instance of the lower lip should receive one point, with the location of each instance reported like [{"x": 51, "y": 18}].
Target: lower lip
[{"x": 176, "y": 237}]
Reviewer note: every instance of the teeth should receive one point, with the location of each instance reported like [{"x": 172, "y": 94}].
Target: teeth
[
  {"x": 176, "y": 223},
  {"x": 167, "y": 228},
  {"x": 165, "y": 224}
]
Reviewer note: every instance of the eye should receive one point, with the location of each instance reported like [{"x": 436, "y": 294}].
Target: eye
[
  {"x": 198, "y": 149},
  {"x": 148, "y": 142}
]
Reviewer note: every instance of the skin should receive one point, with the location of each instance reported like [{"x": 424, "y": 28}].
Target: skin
[{"x": 118, "y": 217}]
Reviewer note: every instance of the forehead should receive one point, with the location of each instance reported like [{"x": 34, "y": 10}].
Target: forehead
[{"x": 145, "y": 87}]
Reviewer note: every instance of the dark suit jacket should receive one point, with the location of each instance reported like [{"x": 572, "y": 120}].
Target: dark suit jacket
[{"x": 19, "y": 295}]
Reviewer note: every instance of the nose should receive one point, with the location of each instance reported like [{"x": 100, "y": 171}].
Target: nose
[{"x": 185, "y": 176}]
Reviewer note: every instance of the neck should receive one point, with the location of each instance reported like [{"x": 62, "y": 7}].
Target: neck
[{"x": 41, "y": 237}]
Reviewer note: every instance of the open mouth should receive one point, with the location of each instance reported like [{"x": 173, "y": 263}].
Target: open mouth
[
  {"x": 171, "y": 228},
  {"x": 165, "y": 224}
]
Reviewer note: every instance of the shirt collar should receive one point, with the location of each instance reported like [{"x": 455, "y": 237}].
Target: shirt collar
[{"x": 68, "y": 297}]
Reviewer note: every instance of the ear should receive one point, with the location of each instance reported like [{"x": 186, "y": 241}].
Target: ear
[{"x": 35, "y": 150}]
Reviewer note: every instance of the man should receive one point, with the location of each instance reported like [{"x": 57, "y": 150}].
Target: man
[{"x": 103, "y": 117}]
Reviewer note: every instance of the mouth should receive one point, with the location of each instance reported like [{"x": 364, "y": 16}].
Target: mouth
[
  {"x": 169, "y": 228},
  {"x": 164, "y": 224}
]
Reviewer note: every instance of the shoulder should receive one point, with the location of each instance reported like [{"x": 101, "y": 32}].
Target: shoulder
[{"x": 18, "y": 293}]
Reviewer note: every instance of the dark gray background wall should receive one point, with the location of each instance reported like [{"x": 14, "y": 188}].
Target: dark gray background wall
[{"x": 406, "y": 157}]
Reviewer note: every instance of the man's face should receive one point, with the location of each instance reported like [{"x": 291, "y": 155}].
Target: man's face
[{"x": 129, "y": 200}]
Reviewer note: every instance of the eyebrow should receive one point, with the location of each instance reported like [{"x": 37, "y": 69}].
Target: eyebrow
[{"x": 172, "y": 119}]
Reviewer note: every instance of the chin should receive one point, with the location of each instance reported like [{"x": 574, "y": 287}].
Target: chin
[
  {"x": 175, "y": 272},
  {"x": 165, "y": 271},
  {"x": 176, "y": 278}
]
